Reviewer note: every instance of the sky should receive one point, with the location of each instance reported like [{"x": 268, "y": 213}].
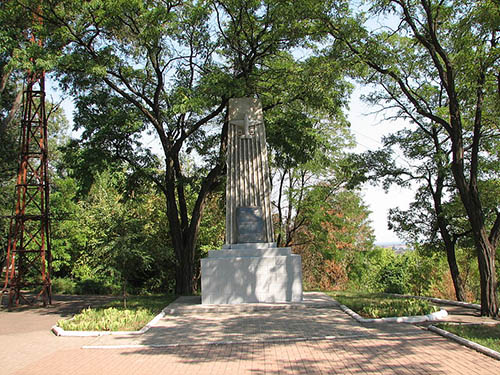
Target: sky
[{"x": 368, "y": 130}]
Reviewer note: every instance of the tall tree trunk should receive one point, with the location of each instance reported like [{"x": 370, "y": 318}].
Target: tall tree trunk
[
  {"x": 449, "y": 243},
  {"x": 16, "y": 105},
  {"x": 455, "y": 273},
  {"x": 184, "y": 235},
  {"x": 484, "y": 248},
  {"x": 487, "y": 276},
  {"x": 184, "y": 273}
]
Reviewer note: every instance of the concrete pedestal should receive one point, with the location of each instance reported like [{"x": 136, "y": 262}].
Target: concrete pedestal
[{"x": 249, "y": 273}]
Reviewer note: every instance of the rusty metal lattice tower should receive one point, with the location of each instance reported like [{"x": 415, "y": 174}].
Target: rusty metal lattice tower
[{"x": 28, "y": 260}]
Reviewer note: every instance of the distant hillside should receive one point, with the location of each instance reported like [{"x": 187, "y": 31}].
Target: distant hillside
[{"x": 398, "y": 247}]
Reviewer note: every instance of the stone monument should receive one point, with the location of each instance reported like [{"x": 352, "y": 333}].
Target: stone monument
[{"x": 250, "y": 267}]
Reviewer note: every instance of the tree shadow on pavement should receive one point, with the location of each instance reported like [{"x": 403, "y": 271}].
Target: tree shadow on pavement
[
  {"x": 397, "y": 355},
  {"x": 62, "y": 305}
]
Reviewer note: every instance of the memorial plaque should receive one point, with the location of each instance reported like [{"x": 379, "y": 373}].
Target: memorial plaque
[{"x": 250, "y": 224}]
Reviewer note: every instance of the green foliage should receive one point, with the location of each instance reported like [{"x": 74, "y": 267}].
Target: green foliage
[
  {"x": 413, "y": 272},
  {"x": 335, "y": 228},
  {"x": 110, "y": 319},
  {"x": 12, "y": 22},
  {"x": 425, "y": 273},
  {"x": 63, "y": 285},
  {"x": 410, "y": 307},
  {"x": 115, "y": 317},
  {"x": 486, "y": 335},
  {"x": 376, "y": 305},
  {"x": 111, "y": 237},
  {"x": 92, "y": 286},
  {"x": 337, "y": 224},
  {"x": 437, "y": 67},
  {"x": 393, "y": 278},
  {"x": 168, "y": 69},
  {"x": 213, "y": 224}
]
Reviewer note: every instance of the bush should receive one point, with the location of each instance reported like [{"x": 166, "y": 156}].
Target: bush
[
  {"x": 364, "y": 271},
  {"x": 320, "y": 273},
  {"x": 92, "y": 286},
  {"x": 63, "y": 286},
  {"x": 394, "y": 278}
]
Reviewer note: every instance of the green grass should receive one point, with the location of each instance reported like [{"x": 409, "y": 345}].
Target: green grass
[
  {"x": 115, "y": 317},
  {"x": 379, "y": 305},
  {"x": 485, "y": 335}
]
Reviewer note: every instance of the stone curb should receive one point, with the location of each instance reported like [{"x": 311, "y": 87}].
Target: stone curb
[
  {"x": 470, "y": 344},
  {"x": 236, "y": 308},
  {"x": 58, "y": 331},
  {"x": 397, "y": 319},
  {"x": 443, "y": 301}
]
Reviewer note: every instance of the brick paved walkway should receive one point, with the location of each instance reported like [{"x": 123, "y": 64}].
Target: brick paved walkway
[{"x": 286, "y": 341}]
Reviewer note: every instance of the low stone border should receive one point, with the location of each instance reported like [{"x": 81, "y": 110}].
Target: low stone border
[
  {"x": 482, "y": 349},
  {"x": 58, "y": 331},
  {"x": 439, "y": 315},
  {"x": 443, "y": 301},
  {"x": 192, "y": 304}
]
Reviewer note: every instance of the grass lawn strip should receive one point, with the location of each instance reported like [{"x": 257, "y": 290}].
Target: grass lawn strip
[
  {"x": 379, "y": 305},
  {"x": 487, "y": 335},
  {"x": 114, "y": 317}
]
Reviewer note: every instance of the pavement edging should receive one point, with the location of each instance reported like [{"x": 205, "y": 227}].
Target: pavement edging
[
  {"x": 58, "y": 331},
  {"x": 397, "y": 319},
  {"x": 443, "y": 301},
  {"x": 470, "y": 344}
]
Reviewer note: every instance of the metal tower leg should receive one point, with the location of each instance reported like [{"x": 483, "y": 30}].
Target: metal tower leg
[{"x": 28, "y": 254}]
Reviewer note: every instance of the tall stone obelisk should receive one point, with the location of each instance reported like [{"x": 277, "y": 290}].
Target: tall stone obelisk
[
  {"x": 248, "y": 205},
  {"x": 249, "y": 268}
]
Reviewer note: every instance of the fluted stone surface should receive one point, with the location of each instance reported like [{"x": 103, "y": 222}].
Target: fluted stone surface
[
  {"x": 249, "y": 268},
  {"x": 248, "y": 184}
]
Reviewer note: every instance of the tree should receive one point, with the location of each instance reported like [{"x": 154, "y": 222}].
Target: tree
[
  {"x": 116, "y": 236},
  {"x": 12, "y": 22},
  {"x": 307, "y": 134},
  {"x": 171, "y": 67},
  {"x": 441, "y": 63},
  {"x": 335, "y": 228},
  {"x": 427, "y": 221}
]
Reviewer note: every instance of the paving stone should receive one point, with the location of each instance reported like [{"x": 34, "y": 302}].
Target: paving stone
[{"x": 274, "y": 341}]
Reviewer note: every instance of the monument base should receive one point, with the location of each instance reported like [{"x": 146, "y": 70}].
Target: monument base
[{"x": 250, "y": 273}]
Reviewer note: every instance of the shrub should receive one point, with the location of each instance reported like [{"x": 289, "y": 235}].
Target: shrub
[
  {"x": 394, "y": 278},
  {"x": 92, "y": 286},
  {"x": 63, "y": 286},
  {"x": 321, "y": 273}
]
